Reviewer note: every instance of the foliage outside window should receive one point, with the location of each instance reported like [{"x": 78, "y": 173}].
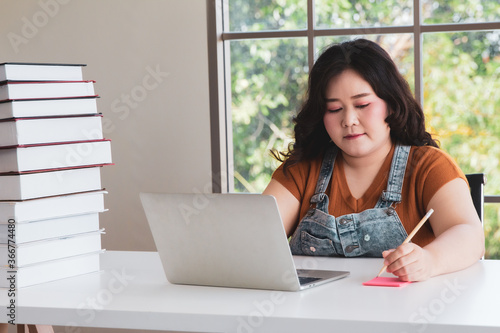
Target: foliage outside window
[{"x": 461, "y": 79}]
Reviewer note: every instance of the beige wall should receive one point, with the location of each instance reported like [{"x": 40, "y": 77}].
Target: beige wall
[
  {"x": 149, "y": 58},
  {"x": 158, "y": 123}
]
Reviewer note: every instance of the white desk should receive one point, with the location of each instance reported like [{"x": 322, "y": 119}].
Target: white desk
[{"x": 132, "y": 292}]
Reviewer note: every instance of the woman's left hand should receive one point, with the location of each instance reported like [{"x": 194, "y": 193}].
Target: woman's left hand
[{"x": 409, "y": 262}]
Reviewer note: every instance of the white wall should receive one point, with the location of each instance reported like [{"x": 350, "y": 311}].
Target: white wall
[{"x": 158, "y": 124}]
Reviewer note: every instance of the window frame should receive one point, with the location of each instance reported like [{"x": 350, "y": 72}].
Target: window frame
[{"x": 220, "y": 81}]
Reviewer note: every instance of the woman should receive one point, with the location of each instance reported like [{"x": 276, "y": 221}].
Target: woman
[{"x": 363, "y": 171}]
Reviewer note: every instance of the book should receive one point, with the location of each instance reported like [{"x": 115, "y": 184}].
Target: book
[
  {"x": 50, "y": 270},
  {"x": 25, "y": 131},
  {"x": 49, "y": 249},
  {"x": 52, "y": 228},
  {"x": 23, "y": 71},
  {"x": 47, "y": 89},
  {"x": 54, "y": 156},
  {"x": 51, "y": 207},
  {"x": 24, "y": 186},
  {"x": 48, "y": 107}
]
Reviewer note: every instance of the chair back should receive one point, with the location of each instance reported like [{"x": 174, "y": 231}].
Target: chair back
[{"x": 476, "y": 184}]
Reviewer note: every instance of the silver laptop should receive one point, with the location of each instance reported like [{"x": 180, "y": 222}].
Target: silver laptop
[{"x": 226, "y": 240}]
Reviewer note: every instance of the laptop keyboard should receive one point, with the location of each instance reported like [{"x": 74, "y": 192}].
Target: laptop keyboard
[{"x": 305, "y": 280}]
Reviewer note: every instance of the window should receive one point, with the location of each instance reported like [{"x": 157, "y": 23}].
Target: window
[{"x": 448, "y": 50}]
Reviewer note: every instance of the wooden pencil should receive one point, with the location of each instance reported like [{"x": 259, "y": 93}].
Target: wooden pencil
[{"x": 410, "y": 236}]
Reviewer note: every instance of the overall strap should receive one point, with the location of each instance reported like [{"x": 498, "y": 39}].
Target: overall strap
[
  {"x": 320, "y": 198},
  {"x": 396, "y": 177}
]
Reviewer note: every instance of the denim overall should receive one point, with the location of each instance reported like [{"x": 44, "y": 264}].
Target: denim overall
[{"x": 360, "y": 234}]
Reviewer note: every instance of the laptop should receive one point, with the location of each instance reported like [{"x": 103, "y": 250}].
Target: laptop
[{"x": 226, "y": 240}]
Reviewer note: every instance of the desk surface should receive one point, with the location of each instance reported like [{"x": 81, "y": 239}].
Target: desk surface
[{"x": 131, "y": 291}]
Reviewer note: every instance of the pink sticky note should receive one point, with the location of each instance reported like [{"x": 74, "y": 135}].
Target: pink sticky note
[{"x": 386, "y": 282}]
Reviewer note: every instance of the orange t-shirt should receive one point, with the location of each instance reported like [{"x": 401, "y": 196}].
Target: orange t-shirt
[{"x": 427, "y": 170}]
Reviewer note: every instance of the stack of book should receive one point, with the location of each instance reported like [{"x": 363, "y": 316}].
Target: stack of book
[{"x": 51, "y": 151}]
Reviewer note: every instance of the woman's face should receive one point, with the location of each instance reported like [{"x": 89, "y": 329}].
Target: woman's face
[{"x": 355, "y": 116}]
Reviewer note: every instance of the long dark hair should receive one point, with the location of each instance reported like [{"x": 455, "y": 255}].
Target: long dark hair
[{"x": 405, "y": 116}]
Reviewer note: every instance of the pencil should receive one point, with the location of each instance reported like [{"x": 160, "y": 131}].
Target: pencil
[{"x": 414, "y": 231}]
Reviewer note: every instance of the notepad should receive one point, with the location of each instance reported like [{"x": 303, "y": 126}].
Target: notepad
[{"x": 386, "y": 282}]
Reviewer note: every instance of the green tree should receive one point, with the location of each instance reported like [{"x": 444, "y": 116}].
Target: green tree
[{"x": 461, "y": 100}]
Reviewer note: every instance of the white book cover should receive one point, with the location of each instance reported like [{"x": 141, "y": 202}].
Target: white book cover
[
  {"x": 48, "y": 107},
  {"x": 55, "y": 156},
  {"x": 47, "y": 89},
  {"x": 50, "y": 270},
  {"x": 19, "y": 255},
  {"x": 49, "y": 183},
  {"x": 19, "y": 71},
  {"x": 46, "y": 229},
  {"x": 51, "y": 207},
  {"x": 27, "y": 131}
]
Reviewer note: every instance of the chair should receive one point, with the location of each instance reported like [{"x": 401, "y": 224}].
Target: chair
[{"x": 476, "y": 184}]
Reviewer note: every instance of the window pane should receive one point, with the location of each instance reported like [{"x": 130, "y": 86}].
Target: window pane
[
  {"x": 492, "y": 230},
  {"x": 363, "y": 13},
  {"x": 400, "y": 48},
  {"x": 459, "y": 11},
  {"x": 461, "y": 99},
  {"x": 268, "y": 81},
  {"x": 257, "y": 15}
]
